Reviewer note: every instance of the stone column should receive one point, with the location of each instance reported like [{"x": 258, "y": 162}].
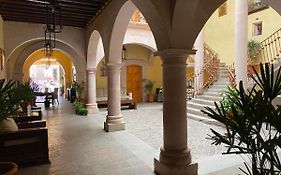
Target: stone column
[
  {"x": 199, "y": 60},
  {"x": 114, "y": 120},
  {"x": 91, "y": 89},
  {"x": 241, "y": 41},
  {"x": 175, "y": 158}
]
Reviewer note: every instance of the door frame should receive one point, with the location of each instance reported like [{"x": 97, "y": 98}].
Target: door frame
[{"x": 143, "y": 64}]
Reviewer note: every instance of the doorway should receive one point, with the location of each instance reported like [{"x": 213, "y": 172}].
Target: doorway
[{"x": 134, "y": 81}]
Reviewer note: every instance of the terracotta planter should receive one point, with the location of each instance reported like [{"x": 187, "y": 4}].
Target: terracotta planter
[
  {"x": 8, "y": 168},
  {"x": 150, "y": 98}
]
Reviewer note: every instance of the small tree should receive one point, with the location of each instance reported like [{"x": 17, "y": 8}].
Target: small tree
[{"x": 254, "y": 128}]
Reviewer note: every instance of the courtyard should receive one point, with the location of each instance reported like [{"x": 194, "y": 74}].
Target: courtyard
[{"x": 79, "y": 145}]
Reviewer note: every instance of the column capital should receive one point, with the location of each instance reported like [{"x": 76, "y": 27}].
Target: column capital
[
  {"x": 113, "y": 66},
  {"x": 91, "y": 70},
  {"x": 175, "y": 53}
]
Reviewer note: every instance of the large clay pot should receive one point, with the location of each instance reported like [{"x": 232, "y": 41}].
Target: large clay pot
[
  {"x": 150, "y": 98},
  {"x": 8, "y": 125},
  {"x": 8, "y": 168}
]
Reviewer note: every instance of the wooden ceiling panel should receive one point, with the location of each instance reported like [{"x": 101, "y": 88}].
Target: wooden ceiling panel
[{"x": 75, "y": 13}]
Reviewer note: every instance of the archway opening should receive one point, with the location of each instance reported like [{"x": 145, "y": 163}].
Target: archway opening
[{"x": 57, "y": 71}]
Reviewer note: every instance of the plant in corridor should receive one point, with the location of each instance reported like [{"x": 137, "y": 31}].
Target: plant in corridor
[
  {"x": 148, "y": 88},
  {"x": 254, "y": 129},
  {"x": 253, "y": 48},
  {"x": 78, "y": 88},
  {"x": 9, "y": 100},
  {"x": 228, "y": 98},
  {"x": 80, "y": 108}
]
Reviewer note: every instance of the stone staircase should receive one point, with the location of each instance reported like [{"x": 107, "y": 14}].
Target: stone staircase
[{"x": 195, "y": 105}]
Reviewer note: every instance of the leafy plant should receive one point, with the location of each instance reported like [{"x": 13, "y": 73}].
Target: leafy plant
[
  {"x": 254, "y": 128},
  {"x": 78, "y": 88},
  {"x": 80, "y": 108},
  {"x": 8, "y": 101},
  {"x": 228, "y": 98},
  {"x": 148, "y": 87},
  {"x": 25, "y": 92},
  {"x": 253, "y": 47}
]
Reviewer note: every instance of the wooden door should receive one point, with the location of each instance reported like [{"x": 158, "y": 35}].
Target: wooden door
[{"x": 134, "y": 78}]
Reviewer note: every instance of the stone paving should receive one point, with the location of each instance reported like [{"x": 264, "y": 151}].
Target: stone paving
[
  {"x": 78, "y": 145},
  {"x": 146, "y": 124}
]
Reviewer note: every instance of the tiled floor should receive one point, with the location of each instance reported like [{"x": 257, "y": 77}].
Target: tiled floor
[{"x": 78, "y": 145}]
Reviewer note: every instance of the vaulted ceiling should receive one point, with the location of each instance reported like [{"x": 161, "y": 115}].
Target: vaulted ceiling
[{"x": 77, "y": 13}]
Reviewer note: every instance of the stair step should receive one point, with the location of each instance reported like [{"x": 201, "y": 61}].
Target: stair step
[
  {"x": 198, "y": 106},
  {"x": 208, "y": 97},
  {"x": 218, "y": 90},
  {"x": 221, "y": 86},
  {"x": 203, "y": 101},
  {"x": 216, "y": 94},
  {"x": 205, "y": 119},
  {"x": 194, "y": 111}
]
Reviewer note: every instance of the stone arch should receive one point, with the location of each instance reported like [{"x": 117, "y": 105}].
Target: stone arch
[
  {"x": 66, "y": 70},
  {"x": 143, "y": 38},
  {"x": 119, "y": 31},
  {"x": 95, "y": 50},
  {"x": 78, "y": 62}
]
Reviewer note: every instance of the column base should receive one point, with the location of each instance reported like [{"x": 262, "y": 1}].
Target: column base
[
  {"x": 114, "y": 123},
  {"x": 109, "y": 127},
  {"x": 162, "y": 169},
  {"x": 92, "y": 108}
]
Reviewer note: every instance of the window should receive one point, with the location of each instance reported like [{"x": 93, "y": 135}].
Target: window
[
  {"x": 257, "y": 28},
  {"x": 223, "y": 9}
]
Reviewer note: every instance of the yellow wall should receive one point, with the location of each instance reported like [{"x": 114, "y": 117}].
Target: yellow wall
[
  {"x": 154, "y": 72},
  {"x": 271, "y": 22},
  {"x": 136, "y": 52},
  {"x": 61, "y": 58},
  {"x": 219, "y": 31},
  {"x": 101, "y": 81}
]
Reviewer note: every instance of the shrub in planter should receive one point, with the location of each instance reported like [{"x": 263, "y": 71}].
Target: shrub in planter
[
  {"x": 254, "y": 128},
  {"x": 80, "y": 108}
]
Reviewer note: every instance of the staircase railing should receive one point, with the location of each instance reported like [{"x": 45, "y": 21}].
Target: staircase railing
[
  {"x": 269, "y": 52},
  {"x": 231, "y": 75},
  {"x": 209, "y": 70},
  {"x": 270, "y": 48}
]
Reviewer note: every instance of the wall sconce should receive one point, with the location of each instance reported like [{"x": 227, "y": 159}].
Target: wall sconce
[{"x": 124, "y": 53}]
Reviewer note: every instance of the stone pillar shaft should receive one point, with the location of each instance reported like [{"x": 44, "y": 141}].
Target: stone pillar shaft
[
  {"x": 114, "y": 121},
  {"x": 175, "y": 156},
  {"x": 241, "y": 40},
  {"x": 91, "y": 85},
  {"x": 199, "y": 60}
]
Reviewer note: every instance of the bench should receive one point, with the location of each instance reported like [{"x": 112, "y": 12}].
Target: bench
[
  {"x": 25, "y": 147},
  {"x": 130, "y": 103}
]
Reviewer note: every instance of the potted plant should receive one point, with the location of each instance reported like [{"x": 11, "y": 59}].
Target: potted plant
[
  {"x": 148, "y": 88},
  {"x": 254, "y": 128},
  {"x": 80, "y": 108},
  {"x": 9, "y": 105},
  {"x": 253, "y": 48},
  {"x": 78, "y": 89},
  {"x": 229, "y": 96},
  {"x": 26, "y": 94}
]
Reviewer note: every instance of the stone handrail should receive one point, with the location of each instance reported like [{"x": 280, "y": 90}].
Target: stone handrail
[
  {"x": 270, "y": 49},
  {"x": 210, "y": 69}
]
